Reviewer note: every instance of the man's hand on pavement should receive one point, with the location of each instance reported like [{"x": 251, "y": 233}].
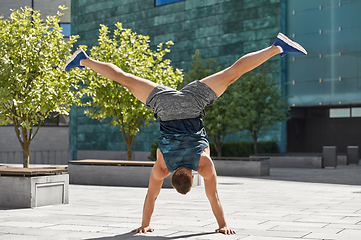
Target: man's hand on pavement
[
  {"x": 225, "y": 230},
  {"x": 143, "y": 229}
]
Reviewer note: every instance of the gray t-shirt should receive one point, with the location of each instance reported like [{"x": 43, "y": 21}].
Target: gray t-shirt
[{"x": 189, "y": 102}]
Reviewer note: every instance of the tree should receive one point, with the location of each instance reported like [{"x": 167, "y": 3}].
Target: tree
[
  {"x": 32, "y": 82},
  {"x": 261, "y": 104},
  {"x": 219, "y": 118},
  {"x": 111, "y": 101},
  {"x": 219, "y": 121},
  {"x": 201, "y": 68}
]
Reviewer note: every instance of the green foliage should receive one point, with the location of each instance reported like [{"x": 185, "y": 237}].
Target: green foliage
[
  {"x": 253, "y": 103},
  {"x": 32, "y": 82},
  {"x": 220, "y": 120},
  {"x": 268, "y": 147},
  {"x": 261, "y": 104},
  {"x": 112, "y": 101},
  {"x": 201, "y": 68},
  {"x": 153, "y": 151},
  {"x": 245, "y": 149}
]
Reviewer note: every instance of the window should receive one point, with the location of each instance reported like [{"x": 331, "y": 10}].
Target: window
[
  {"x": 66, "y": 29},
  {"x": 345, "y": 112},
  {"x": 163, "y": 2},
  {"x": 60, "y": 120},
  {"x": 340, "y": 112},
  {"x": 356, "y": 112}
]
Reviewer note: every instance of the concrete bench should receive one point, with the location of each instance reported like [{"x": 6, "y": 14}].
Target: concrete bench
[
  {"x": 33, "y": 187},
  {"x": 237, "y": 166},
  {"x": 117, "y": 173},
  {"x": 28, "y": 172}
]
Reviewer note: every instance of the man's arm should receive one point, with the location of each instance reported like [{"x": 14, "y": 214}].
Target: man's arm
[
  {"x": 157, "y": 176},
  {"x": 149, "y": 202},
  {"x": 207, "y": 171}
]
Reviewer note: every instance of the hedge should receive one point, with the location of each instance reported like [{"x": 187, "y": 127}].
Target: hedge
[
  {"x": 244, "y": 149},
  {"x": 232, "y": 149}
]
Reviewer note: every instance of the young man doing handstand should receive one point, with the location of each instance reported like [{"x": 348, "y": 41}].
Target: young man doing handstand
[{"x": 183, "y": 145}]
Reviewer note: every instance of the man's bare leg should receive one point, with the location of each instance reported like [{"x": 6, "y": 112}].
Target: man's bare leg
[
  {"x": 221, "y": 80},
  {"x": 141, "y": 88},
  {"x": 283, "y": 45}
]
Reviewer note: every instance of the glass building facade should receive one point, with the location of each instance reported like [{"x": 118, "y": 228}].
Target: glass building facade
[
  {"x": 220, "y": 29},
  {"x": 331, "y": 72},
  {"x": 325, "y": 85}
]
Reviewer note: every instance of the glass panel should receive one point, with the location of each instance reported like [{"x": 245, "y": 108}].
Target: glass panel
[
  {"x": 348, "y": 14},
  {"x": 306, "y": 5},
  {"x": 307, "y": 21},
  {"x": 339, "y": 112},
  {"x": 345, "y": 40},
  {"x": 356, "y": 112}
]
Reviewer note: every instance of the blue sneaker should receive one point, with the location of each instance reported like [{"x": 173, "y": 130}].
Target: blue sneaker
[
  {"x": 74, "y": 61},
  {"x": 286, "y": 45}
]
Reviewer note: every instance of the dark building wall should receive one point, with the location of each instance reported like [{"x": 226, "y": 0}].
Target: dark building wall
[
  {"x": 221, "y": 29},
  {"x": 311, "y": 128}
]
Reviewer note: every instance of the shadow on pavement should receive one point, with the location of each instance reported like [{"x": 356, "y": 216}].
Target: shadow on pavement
[{"x": 144, "y": 236}]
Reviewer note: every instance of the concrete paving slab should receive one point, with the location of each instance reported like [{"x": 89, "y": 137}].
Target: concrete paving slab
[
  {"x": 348, "y": 234},
  {"x": 283, "y": 207},
  {"x": 19, "y": 237},
  {"x": 276, "y": 238},
  {"x": 29, "y": 224},
  {"x": 342, "y": 235},
  {"x": 321, "y": 231},
  {"x": 344, "y": 226},
  {"x": 35, "y": 232}
]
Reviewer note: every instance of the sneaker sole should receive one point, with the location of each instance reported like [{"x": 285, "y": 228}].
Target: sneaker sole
[
  {"x": 292, "y": 43},
  {"x": 75, "y": 54}
]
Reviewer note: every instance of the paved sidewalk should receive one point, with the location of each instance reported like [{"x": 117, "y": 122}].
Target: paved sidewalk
[{"x": 290, "y": 204}]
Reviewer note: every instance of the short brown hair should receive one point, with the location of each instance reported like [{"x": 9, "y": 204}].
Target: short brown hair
[{"x": 182, "y": 180}]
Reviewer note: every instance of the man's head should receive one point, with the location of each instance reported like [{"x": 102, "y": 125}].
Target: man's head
[{"x": 182, "y": 180}]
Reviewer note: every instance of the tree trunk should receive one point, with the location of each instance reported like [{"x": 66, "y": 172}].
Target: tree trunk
[
  {"x": 218, "y": 144},
  {"x": 218, "y": 147},
  {"x": 24, "y": 141},
  {"x": 25, "y": 146},
  {"x": 26, "y": 156},
  {"x": 129, "y": 152},
  {"x": 254, "y": 137},
  {"x": 129, "y": 142}
]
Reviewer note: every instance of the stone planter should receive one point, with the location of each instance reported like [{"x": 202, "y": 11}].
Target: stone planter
[
  {"x": 241, "y": 166},
  {"x": 117, "y": 173},
  {"x": 33, "y": 187}
]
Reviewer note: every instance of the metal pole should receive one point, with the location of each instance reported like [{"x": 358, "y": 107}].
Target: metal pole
[{"x": 32, "y": 7}]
